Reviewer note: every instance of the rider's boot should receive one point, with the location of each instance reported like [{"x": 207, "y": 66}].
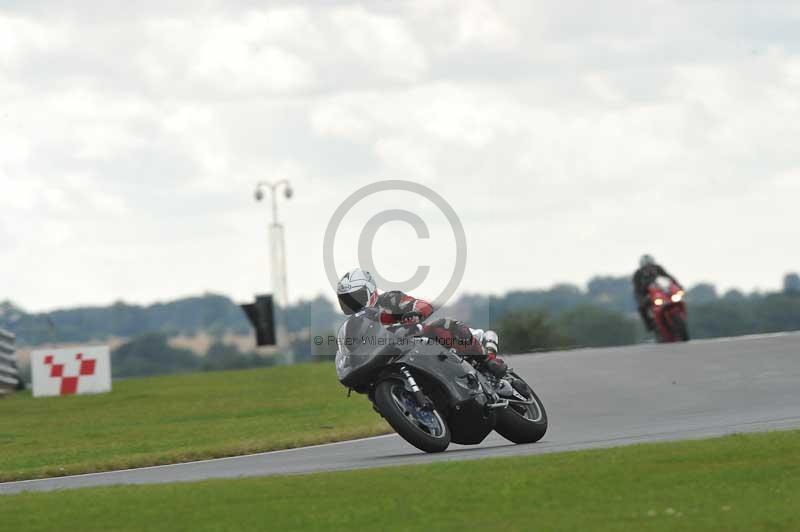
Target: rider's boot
[
  {"x": 647, "y": 317},
  {"x": 494, "y": 365},
  {"x": 651, "y": 322}
]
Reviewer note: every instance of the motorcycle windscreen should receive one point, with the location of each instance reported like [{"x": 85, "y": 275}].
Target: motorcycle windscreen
[
  {"x": 663, "y": 283},
  {"x": 363, "y": 346}
]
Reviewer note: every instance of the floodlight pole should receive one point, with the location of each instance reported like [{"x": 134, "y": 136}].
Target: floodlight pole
[{"x": 280, "y": 294}]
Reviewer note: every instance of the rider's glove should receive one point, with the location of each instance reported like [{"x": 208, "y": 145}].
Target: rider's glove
[{"x": 411, "y": 318}]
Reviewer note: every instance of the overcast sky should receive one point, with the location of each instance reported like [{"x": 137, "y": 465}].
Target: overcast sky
[{"x": 569, "y": 137}]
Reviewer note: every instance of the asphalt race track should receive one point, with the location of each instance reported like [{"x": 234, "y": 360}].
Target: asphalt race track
[{"x": 594, "y": 398}]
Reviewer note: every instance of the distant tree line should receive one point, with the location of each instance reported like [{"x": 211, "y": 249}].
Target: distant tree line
[
  {"x": 151, "y": 354},
  {"x": 523, "y": 331},
  {"x": 604, "y": 314},
  {"x": 213, "y": 314},
  {"x": 210, "y": 314},
  {"x": 600, "y": 314}
]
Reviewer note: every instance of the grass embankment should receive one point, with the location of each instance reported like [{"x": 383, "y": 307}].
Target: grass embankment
[
  {"x": 164, "y": 420},
  {"x": 737, "y": 483}
]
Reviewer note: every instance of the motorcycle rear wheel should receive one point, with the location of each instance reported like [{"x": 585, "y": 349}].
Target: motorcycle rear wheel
[
  {"x": 522, "y": 423},
  {"x": 425, "y": 430}
]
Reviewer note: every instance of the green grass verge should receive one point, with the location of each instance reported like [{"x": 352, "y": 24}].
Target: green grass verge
[
  {"x": 737, "y": 483},
  {"x": 164, "y": 420}
]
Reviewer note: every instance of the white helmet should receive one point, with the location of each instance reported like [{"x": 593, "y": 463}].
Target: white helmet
[
  {"x": 356, "y": 290},
  {"x": 646, "y": 260}
]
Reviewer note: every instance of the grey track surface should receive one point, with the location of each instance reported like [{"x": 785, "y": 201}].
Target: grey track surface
[{"x": 594, "y": 398}]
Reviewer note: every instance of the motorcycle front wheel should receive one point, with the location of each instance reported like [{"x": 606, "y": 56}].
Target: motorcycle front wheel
[
  {"x": 425, "y": 429},
  {"x": 680, "y": 328},
  {"x": 520, "y": 423}
]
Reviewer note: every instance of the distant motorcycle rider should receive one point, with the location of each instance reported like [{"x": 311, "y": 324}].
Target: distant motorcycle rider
[
  {"x": 647, "y": 273},
  {"x": 357, "y": 290}
]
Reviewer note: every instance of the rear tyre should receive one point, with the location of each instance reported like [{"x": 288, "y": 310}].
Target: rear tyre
[
  {"x": 424, "y": 429},
  {"x": 522, "y": 423}
]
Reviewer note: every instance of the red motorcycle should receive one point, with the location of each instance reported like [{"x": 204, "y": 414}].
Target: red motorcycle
[{"x": 669, "y": 311}]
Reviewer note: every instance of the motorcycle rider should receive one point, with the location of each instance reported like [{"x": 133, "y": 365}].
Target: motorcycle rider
[
  {"x": 357, "y": 290},
  {"x": 642, "y": 279}
]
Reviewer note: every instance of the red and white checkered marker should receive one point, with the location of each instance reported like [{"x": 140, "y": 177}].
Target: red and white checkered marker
[{"x": 71, "y": 371}]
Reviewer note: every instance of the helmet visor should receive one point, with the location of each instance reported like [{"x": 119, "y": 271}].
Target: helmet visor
[{"x": 352, "y": 302}]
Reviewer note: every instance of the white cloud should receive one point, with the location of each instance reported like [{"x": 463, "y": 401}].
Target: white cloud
[
  {"x": 381, "y": 44},
  {"x": 132, "y": 141},
  {"x": 340, "y": 119},
  {"x": 466, "y": 24},
  {"x": 227, "y": 56},
  {"x": 20, "y": 37}
]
